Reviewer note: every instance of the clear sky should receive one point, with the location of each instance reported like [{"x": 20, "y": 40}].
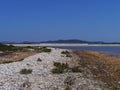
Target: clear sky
[{"x": 41, "y": 20}]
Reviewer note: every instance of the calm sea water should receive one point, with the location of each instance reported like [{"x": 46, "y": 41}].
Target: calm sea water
[{"x": 114, "y": 50}]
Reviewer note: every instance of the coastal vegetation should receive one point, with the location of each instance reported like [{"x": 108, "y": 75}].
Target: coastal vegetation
[
  {"x": 70, "y": 80},
  {"x": 7, "y": 61},
  {"x": 4, "y": 48},
  {"x": 43, "y": 49},
  {"x": 67, "y": 87},
  {"x": 59, "y": 67},
  {"x": 66, "y": 53},
  {"x": 39, "y": 60},
  {"x": 10, "y": 61},
  {"x": 105, "y": 68},
  {"x": 64, "y": 67},
  {"x": 10, "y": 53},
  {"x": 102, "y": 67},
  {"x": 26, "y": 71}
]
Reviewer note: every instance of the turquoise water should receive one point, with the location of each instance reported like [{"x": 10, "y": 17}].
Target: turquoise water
[{"x": 114, "y": 50}]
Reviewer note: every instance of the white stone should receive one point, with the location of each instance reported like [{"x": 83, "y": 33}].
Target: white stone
[{"x": 41, "y": 77}]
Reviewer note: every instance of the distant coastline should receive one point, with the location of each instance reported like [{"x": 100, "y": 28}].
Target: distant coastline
[
  {"x": 62, "y": 44},
  {"x": 69, "y": 42}
]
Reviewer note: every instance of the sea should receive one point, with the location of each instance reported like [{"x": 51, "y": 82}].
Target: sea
[{"x": 111, "y": 50}]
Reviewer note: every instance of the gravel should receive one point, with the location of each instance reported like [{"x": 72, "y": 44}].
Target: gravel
[{"x": 41, "y": 77}]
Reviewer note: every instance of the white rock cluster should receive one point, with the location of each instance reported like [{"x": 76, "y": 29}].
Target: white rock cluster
[{"x": 41, "y": 77}]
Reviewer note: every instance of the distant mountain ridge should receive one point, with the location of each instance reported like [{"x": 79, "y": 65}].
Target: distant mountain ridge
[{"x": 70, "y": 41}]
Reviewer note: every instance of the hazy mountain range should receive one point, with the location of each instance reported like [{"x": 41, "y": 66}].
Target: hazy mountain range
[{"x": 69, "y": 41}]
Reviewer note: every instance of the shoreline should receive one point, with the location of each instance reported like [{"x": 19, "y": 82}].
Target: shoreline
[
  {"x": 56, "y": 44},
  {"x": 41, "y": 77}
]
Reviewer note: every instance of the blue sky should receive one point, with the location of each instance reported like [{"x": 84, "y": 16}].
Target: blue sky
[{"x": 41, "y": 20}]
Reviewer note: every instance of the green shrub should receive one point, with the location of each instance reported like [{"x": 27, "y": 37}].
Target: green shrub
[
  {"x": 29, "y": 47},
  {"x": 4, "y": 47},
  {"x": 70, "y": 80},
  {"x": 57, "y": 70},
  {"x": 76, "y": 69},
  {"x": 21, "y": 59},
  {"x": 39, "y": 60},
  {"x": 46, "y": 50},
  {"x": 59, "y": 67},
  {"x": 57, "y": 64},
  {"x": 64, "y": 66},
  {"x": 43, "y": 49},
  {"x": 26, "y": 85},
  {"x": 5, "y": 62},
  {"x": 65, "y": 52},
  {"x": 26, "y": 71},
  {"x": 68, "y": 55},
  {"x": 67, "y": 88}
]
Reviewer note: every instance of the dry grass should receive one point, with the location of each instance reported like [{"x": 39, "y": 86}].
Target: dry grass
[
  {"x": 15, "y": 56},
  {"x": 103, "y": 67}
]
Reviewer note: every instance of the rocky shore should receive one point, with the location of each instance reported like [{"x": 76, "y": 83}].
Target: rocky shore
[{"x": 41, "y": 77}]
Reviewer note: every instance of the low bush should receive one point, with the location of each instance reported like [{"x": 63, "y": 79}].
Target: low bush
[
  {"x": 46, "y": 50},
  {"x": 43, "y": 49},
  {"x": 65, "y": 65},
  {"x": 67, "y": 88},
  {"x": 70, "y": 80},
  {"x": 29, "y": 47},
  {"x": 57, "y": 70},
  {"x": 39, "y": 60},
  {"x": 5, "y": 48},
  {"x": 5, "y": 62},
  {"x": 26, "y": 71},
  {"x": 59, "y": 67},
  {"x": 76, "y": 69},
  {"x": 21, "y": 59},
  {"x": 57, "y": 64},
  {"x": 68, "y": 55},
  {"x": 65, "y": 52}
]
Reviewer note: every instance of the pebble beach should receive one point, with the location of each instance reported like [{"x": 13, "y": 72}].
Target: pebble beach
[{"x": 41, "y": 77}]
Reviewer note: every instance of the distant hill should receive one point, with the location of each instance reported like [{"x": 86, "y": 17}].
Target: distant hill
[{"x": 70, "y": 41}]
